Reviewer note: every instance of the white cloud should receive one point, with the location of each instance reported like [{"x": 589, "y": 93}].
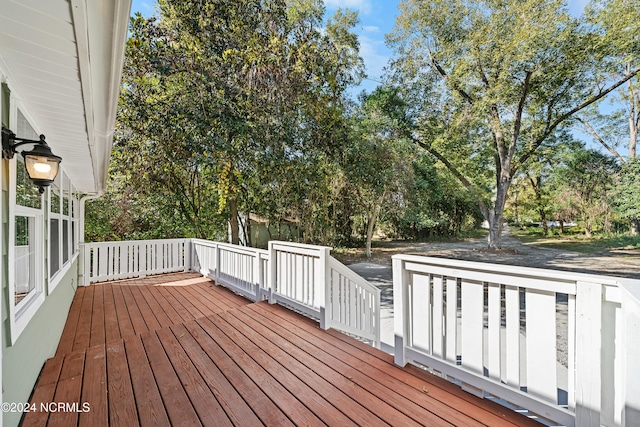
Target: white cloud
[
  {"x": 363, "y": 6},
  {"x": 370, "y": 28}
]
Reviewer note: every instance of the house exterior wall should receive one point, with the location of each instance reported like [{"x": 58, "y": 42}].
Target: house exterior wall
[
  {"x": 23, "y": 361},
  {"x": 30, "y": 332}
]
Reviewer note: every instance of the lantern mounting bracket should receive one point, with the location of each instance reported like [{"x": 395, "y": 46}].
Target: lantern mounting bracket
[{"x": 40, "y": 162}]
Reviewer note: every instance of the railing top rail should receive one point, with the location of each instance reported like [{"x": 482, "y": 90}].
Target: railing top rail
[
  {"x": 351, "y": 275},
  {"x": 632, "y": 287},
  {"x": 230, "y": 246},
  {"x": 282, "y": 244},
  {"x": 512, "y": 270},
  {"x": 132, "y": 242}
]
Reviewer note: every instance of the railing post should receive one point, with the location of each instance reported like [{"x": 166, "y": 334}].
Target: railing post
[
  {"x": 143, "y": 257},
  {"x": 216, "y": 261},
  {"x": 188, "y": 245},
  {"x": 257, "y": 275},
  {"x": 399, "y": 315},
  {"x": 272, "y": 272},
  {"x": 631, "y": 368},
  {"x": 588, "y": 353},
  {"x": 323, "y": 277},
  {"x": 85, "y": 262}
]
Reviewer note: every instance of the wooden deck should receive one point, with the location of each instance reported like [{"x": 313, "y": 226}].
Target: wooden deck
[{"x": 178, "y": 350}]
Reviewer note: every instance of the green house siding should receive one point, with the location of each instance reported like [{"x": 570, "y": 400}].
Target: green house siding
[{"x": 22, "y": 362}]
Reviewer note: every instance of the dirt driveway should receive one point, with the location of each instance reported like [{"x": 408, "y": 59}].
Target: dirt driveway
[{"x": 514, "y": 252}]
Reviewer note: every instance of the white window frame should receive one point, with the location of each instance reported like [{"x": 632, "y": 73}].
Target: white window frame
[
  {"x": 66, "y": 189},
  {"x": 21, "y": 314},
  {"x": 75, "y": 212}
]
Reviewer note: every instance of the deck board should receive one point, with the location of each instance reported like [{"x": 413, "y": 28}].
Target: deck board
[
  {"x": 288, "y": 375},
  {"x": 111, "y": 325},
  {"x": 391, "y": 405},
  {"x": 137, "y": 321},
  {"x": 98, "y": 330},
  {"x": 261, "y": 404},
  {"x": 176, "y": 401},
  {"x": 68, "y": 335},
  {"x": 122, "y": 409},
  {"x": 151, "y": 410},
  {"x": 225, "y": 393},
  {"x": 94, "y": 391},
  {"x": 202, "y": 399},
  {"x": 450, "y": 407},
  {"x": 176, "y": 349},
  {"x": 288, "y": 403},
  {"x": 68, "y": 390},
  {"x": 315, "y": 376},
  {"x": 154, "y": 305}
]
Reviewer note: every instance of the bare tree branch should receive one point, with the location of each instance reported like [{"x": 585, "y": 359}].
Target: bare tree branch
[
  {"x": 463, "y": 180},
  {"x": 601, "y": 94},
  {"x": 444, "y": 75},
  {"x": 597, "y": 137}
]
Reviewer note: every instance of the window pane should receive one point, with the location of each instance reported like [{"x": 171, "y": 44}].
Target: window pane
[
  {"x": 55, "y": 199},
  {"x": 65, "y": 194},
  {"x": 5, "y": 94},
  {"x": 25, "y": 257},
  {"x": 74, "y": 206},
  {"x": 54, "y": 245},
  {"x": 65, "y": 241},
  {"x": 27, "y": 194}
]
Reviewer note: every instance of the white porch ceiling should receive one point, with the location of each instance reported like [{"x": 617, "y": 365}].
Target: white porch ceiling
[{"x": 63, "y": 62}]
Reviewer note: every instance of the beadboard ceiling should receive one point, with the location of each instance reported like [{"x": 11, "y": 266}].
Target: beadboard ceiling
[{"x": 62, "y": 61}]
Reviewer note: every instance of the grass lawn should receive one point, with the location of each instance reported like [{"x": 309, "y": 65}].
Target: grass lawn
[{"x": 571, "y": 241}]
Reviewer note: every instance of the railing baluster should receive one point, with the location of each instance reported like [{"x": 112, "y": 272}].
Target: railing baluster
[
  {"x": 451, "y": 334},
  {"x": 541, "y": 344},
  {"x": 494, "y": 314},
  {"x": 420, "y": 313},
  {"x": 472, "y": 334},
  {"x": 512, "y": 336},
  {"x": 438, "y": 317}
]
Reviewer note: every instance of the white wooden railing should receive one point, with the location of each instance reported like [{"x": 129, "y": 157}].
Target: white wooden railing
[
  {"x": 104, "y": 261},
  {"x": 303, "y": 277},
  {"x": 497, "y": 330},
  {"x": 240, "y": 268},
  {"x": 355, "y": 303}
]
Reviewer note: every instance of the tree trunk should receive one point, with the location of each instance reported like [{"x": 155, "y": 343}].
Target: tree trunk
[
  {"x": 495, "y": 217},
  {"x": 233, "y": 221},
  {"x": 371, "y": 223},
  {"x": 370, "y": 227},
  {"x": 561, "y": 230},
  {"x": 635, "y": 227},
  {"x": 588, "y": 227},
  {"x": 543, "y": 218},
  {"x": 247, "y": 232}
]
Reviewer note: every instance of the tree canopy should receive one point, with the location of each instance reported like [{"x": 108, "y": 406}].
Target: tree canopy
[
  {"x": 498, "y": 78},
  {"x": 237, "y": 110}
]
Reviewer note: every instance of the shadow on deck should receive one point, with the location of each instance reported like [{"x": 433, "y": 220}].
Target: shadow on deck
[{"x": 177, "y": 350}]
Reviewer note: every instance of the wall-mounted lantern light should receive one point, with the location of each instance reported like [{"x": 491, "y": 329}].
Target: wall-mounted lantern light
[{"x": 41, "y": 164}]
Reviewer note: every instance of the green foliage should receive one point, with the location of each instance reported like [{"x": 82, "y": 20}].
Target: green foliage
[
  {"x": 575, "y": 241},
  {"x": 626, "y": 193},
  {"x": 434, "y": 205},
  {"x": 229, "y": 107},
  {"x": 493, "y": 80},
  {"x": 586, "y": 182}
]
